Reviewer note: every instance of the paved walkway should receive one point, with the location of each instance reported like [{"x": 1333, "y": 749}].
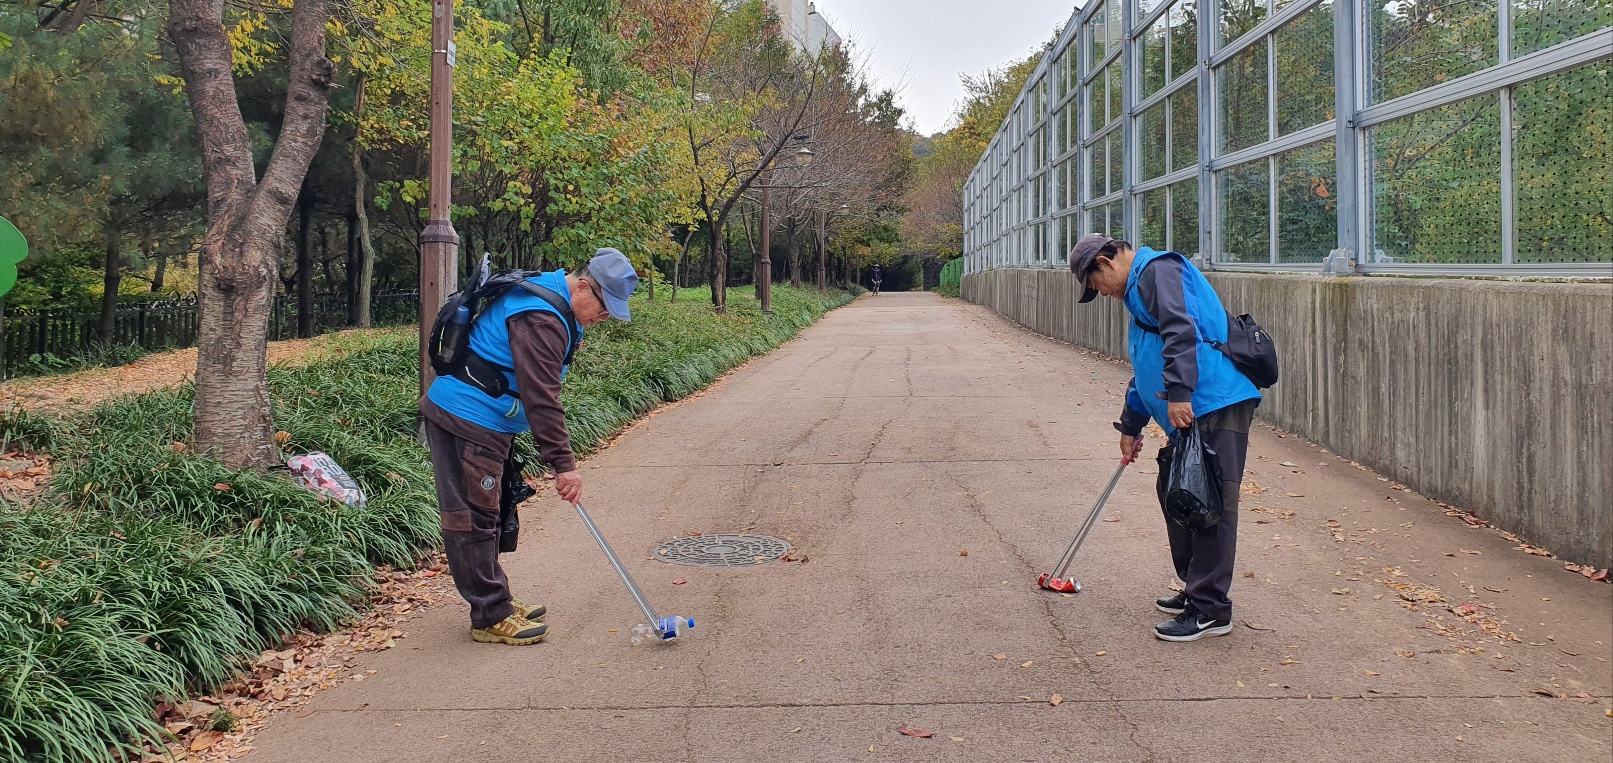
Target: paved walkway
[{"x": 928, "y": 459}]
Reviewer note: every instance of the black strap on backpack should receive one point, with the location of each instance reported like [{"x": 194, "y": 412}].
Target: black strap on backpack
[
  {"x": 1248, "y": 346},
  {"x": 449, "y": 345}
]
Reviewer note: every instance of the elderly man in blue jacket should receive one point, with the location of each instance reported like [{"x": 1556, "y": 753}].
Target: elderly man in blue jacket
[{"x": 1179, "y": 380}]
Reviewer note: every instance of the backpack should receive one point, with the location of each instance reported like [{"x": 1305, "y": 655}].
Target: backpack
[
  {"x": 1248, "y": 346},
  {"x": 449, "y": 341}
]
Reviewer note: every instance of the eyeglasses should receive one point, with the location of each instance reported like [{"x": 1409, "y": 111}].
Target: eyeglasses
[{"x": 592, "y": 287}]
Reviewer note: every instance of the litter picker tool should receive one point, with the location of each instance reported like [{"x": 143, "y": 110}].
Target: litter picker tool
[
  {"x": 658, "y": 628},
  {"x": 1055, "y": 580}
]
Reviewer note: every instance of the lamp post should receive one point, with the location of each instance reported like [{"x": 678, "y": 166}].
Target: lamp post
[
  {"x": 764, "y": 271},
  {"x": 439, "y": 244}
]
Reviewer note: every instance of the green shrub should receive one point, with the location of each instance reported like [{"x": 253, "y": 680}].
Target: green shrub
[{"x": 147, "y": 571}]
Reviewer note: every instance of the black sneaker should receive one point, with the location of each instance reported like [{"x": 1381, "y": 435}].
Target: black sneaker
[
  {"x": 1171, "y": 605},
  {"x": 1191, "y": 626}
]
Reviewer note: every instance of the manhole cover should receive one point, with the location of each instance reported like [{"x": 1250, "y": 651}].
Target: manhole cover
[{"x": 722, "y": 550}]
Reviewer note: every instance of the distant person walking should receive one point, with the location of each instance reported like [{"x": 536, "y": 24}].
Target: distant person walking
[
  {"x": 877, "y": 279},
  {"x": 1180, "y": 381}
]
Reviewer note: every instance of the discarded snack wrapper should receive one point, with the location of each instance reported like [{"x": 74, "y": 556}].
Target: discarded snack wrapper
[{"x": 320, "y": 473}]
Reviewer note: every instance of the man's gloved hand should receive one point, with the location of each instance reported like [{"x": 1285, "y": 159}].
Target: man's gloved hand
[{"x": 569, "y": 486}]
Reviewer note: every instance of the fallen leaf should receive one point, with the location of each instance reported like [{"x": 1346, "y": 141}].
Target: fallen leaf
[
  {"x": 1341, "y": 591},
  {"x": 219, "y": 486},
  {"x": 206, "y": 740},
  {"x": 1406, "y": 654},
  {"x": 1256, "y": 626},
  {"x": 1111, "y": 519},
  {"x": 999, "y": 657},
  {"x": 1289, "y": 661},
  {"x": 1240, "y": 685},
  {"x": 1296, "y": 495},
  {"x": 1248, "y": 574},
  {"x": 1288, "y": 463},
  {"x": 1103, "y": 653},
  {"x": 960, "y": 739},
  {"x": 679, "y": 581},
  {"x": 1599, "y": 575},
  {"x": 1026, "y": 663},
  {"x": 963, "y": 552},
  {"x": 1373, "y": 673},
  {"x": 1056, "y": 700},
  {"x": 794, "y": 730},
  {"x": 909, "y": 731}
]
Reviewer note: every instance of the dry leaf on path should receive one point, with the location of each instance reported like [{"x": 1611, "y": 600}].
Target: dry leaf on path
[
  {"x": 960, "y": 739},
  {"x": 679, "y": 581},
  {"x": 206, "y": 740},
  {"x": 910, "y": 731},
  {"x": 1257, "y": 626},
  {"x": 999, "y": 657},
  {"x": 1056, "y": 700},
  {"x": 1026, "y": 663}
]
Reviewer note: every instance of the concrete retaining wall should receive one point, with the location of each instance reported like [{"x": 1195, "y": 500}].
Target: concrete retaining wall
[{"x": 1495, "y": 396}]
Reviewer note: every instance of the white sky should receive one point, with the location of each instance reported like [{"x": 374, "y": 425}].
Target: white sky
[{"x": 922, "y": 46}]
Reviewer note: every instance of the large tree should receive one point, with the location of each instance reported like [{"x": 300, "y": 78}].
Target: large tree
[{"x": 246, "y": 218}]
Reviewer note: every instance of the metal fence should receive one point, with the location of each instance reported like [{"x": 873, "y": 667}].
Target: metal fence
[
  {"x": 35, "y": 338},
  {"x": 1448, "y": 136}
]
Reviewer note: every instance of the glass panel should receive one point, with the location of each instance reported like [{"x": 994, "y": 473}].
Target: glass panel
[
  {"x": 1246, "y": 212},
  {"x": 1117, "y": 161},
  {"x": 1152, "y": 43},
  {"x": 1151, "y": 142},
  {"x": 1240, "y": 16},
  {"x": 1184, "y": 128},
  {"x": 1097, "y": 104},
  {"x": 1185, "y": 217},
  {"x": 1072, "y": 136},
  {"x": 1099, "y": 168},
  {"x": 1305, "y": 70},
  {"x": 1307, "y": 207},
  {"x": 1063, "y": 241},
  {"x": 1115, "y": 91},
  {"x": 1117, "y": 220},
  {"x": 1056, "y": 74},
  {"x": 1184, "y": 37},
  {"x": 1155, "y": 209},
  {"x": 1244, "y": 119},
  {"x": 1437, "y": 185},
  {"x": 1145, "y": 7},
  {"x": 1115, "y": 21},
  {"x": 1562, "y": 160},
  {"x": 1422, "y": 43},
  {"x": 1098, "y": 37},
  {"x": 1072, "y": 196}
]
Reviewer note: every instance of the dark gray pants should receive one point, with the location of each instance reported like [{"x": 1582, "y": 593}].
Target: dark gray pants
[
  {"x": 1204, "y": 558},
  {"x": 467, "y": 462}
]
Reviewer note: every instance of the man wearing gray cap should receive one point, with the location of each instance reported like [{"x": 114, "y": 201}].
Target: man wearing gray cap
[
  {"x": 1180, "y": 380},
  {"x": 520, "y": 345}
]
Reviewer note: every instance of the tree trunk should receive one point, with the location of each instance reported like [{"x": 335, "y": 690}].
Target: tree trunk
[
  {"x": 113, "y": 278},
  {"x": 162, "y": 268},
  {"x": 717, "y": 268},
  {"x": 795, "y": 254},
  {"x": 246, "y": 220},
  {"x": 677, "y": 264},
  {"x": 361, "y": 206},
  {"x": 305, "y": 265}
]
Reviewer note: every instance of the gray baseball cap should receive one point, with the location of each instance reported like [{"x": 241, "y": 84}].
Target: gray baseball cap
[
  {"x": 616, "y": 279},
  {"x": 1084, "y": 258}
]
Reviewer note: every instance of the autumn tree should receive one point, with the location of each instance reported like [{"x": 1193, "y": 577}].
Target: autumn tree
[{"x": 246, "y": 217}]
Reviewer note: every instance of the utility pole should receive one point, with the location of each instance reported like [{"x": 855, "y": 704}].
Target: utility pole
[
  {"x": 439, "y": 244},
  {"x": 764, "y": 266}
]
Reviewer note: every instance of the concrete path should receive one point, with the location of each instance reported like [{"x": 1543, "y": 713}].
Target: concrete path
[{"x": 927, "y": 459}]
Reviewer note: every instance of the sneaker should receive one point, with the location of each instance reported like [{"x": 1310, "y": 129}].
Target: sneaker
[
  {"x": 514, "y": 630},
  {"x": 1171, "y": 605},
  {"x": 1191, "y": 626},
  {"x": 535, "y": 614}
]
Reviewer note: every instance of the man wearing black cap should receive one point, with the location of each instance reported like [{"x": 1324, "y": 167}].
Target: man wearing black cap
[
  {"x": 471, "y": 425},
  {"x": 1179, "y": 380}
]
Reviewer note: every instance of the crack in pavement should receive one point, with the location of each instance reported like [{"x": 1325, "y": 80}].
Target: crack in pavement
[{"x": 946, "y": 703}]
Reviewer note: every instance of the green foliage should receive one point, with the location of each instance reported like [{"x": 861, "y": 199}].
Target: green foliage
[{"x": 147, "y": 570}]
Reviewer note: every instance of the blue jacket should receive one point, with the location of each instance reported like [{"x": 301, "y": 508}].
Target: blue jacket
[
  {"x": 490, "y": 338},
  {"x": 1218, "y": 384}
]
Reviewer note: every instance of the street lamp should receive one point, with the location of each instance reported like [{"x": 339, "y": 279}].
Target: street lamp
[
  {"x": 439, "y": 243},
  {"x": 764, "y": 267}
]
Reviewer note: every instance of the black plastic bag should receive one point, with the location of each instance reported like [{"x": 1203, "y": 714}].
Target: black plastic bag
[
  {"x": 514, "y": 491},
  {"x": 1189, "y": 482}
]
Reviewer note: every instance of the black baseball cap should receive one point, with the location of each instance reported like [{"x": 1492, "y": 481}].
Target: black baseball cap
[{"x": 1085, "y": 258}]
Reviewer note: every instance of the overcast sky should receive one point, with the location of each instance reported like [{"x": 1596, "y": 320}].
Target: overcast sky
[{"x": 924, "y": 45}]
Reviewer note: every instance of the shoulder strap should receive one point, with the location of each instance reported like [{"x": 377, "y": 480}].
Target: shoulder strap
[{"x": 566, "y": 316}]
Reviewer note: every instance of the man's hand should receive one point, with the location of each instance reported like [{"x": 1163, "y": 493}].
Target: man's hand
[
  {"x": 1129, "y": 445},
  {"x": 569, "y": 486},
  {"x": 1181, "y": 415}
]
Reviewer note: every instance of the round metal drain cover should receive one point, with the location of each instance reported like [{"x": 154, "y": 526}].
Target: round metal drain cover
[{"x": 722, "y": 550}]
